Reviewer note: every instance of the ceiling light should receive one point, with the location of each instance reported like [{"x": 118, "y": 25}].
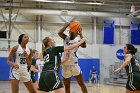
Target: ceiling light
[
  {"x": 40, "y": 0},
  {"x": 64, "y": 1},
  {"x": 95, "y": 3},
  {"x": 55, "y": 1},
  {"x": 91, "y": 3}
]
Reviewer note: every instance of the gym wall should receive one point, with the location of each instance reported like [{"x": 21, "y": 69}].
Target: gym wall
[{"x": 102, "y": 56}]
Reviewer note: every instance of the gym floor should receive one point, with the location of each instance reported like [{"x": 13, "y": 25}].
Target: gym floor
[{"x": 6, "y": 88}]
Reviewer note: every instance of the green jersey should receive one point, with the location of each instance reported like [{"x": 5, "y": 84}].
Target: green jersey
[{"x": 52, "y": 58}]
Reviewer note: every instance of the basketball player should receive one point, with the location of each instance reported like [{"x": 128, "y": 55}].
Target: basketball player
[
  {"x": 49, "y": 80},
  {"x": 132, "y": 69},
  {"x": 93, "y": 76},
  {"x": 40, "y": 63},
  {"x": 23, "y": 57},
  {"x": 33, "y": 69},
  {"x": 71, "y": 67}
]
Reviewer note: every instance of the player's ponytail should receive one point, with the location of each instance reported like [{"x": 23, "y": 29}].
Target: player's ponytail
[
  {"x": 45, "y": 44},
  {"x": 43, "y": 49}
]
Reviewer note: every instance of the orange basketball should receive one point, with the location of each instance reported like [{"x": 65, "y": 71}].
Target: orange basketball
[{"x": 75, "y": 26}]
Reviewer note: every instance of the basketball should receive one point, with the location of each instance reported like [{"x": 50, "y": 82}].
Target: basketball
[{"x": 75, "y": 26}]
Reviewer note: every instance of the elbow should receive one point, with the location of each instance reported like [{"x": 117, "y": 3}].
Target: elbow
[
  {"x": 8, "y": 62},
  {"x": 29, "y": 63},
  {"x": 83, "y": 46},
  {"x": 59, "y": 33}
]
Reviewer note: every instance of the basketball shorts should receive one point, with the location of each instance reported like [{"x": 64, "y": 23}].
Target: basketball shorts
[
  {"x": 70, "y": 70},
  {"x": 33, "y": 79},
  {"x": 133, "y": 82},
  {"x": 22, "y": 75},
  {"x": 49, "y": 81}
]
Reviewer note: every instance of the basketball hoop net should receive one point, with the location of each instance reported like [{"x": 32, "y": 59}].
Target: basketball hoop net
[{"x": 132, "y": 9}]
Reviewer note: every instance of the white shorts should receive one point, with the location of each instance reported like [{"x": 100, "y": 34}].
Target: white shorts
[
  {"x": 22, "y": 75},
  {"x": 70, "y": 70}
]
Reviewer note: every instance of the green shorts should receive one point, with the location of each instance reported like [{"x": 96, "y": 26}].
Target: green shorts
[
  {"x": 49, "y": 81},
  {"x": 133, "y": 82}
]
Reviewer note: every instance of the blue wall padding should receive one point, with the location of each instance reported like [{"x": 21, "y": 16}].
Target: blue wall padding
[
  {"x": 85, "y": 64},
  {"x": 108, "y": 32},
  {"x": 4, "y": 69}
]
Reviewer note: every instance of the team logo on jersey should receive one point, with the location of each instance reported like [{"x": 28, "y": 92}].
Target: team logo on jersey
[{"x": 21, "y": 55}]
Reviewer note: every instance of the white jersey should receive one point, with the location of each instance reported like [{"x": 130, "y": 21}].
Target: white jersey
[
  {"x": 20, "y": 58},
  {"x": 73, "y": 57},
  {"x": 22, "y": 72}
]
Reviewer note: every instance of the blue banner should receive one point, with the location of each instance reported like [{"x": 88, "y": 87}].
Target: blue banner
[
  {"x": 108, "y": 32},
  {"x": 135, "y": 33}
]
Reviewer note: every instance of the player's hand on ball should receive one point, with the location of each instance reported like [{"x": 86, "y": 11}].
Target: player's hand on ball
[{"x": 80, "y": 31}]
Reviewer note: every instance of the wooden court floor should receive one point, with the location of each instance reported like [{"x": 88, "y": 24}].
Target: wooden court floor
[{"x": 92, "y": 88}]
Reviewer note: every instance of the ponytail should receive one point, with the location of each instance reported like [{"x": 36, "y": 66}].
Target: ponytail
[
  {"x": 43, "y": 49},
  {"x": 45, "y": 44},
  {"x": 135, "y": 50}
]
